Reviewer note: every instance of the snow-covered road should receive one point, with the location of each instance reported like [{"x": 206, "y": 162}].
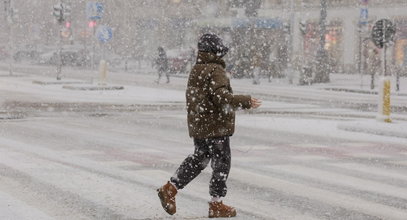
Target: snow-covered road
[
  {"x": 80, "y": 167},
  {"x": 101, "y": 155}
]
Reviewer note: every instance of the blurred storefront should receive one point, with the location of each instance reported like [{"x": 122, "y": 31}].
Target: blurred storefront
[
  {"x": 258, "y": 42},
  {"x": 263, "y": 38},
  {"x": 333, "y": 43},
  {"x": 400, "y": 44}
]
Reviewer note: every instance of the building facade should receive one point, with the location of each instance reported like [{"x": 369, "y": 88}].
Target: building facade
[
  {"x": 284, "y": 30},
  {"x": 345, "y": 41},
  {"x": 291, "y": 28}
]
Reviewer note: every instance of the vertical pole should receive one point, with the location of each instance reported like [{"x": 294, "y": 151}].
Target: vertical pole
[
  {"x": 384, "y": 60},
  {"x": 301, "y": 46},
  {"x": 59, "y": 65},
  {"x": 9, "y": 16},
  {"x": 322, "y": 25},
  {"x": 11, "y": 41},
  {"x": 363, "y": 20},
  {"x": 85, "y": 30},
  {"x": 93, "y": 45},
  {"x": 384, "y": 92},
  {"x": 291, "y": 46},
  {"x": 386, "y": 101},
  {"x": 387, "y": 87},
  {"x": 60, "y": 22},
  {"x": 398, "y": 78},
  {"x": 360, "y": 56}
]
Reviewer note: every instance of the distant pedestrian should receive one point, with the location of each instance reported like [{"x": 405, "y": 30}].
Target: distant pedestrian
[
  {"x": 274, "y": 66},
  {"x": 211, "y": 107},
  {"x": 162, "y": 65},
  {"x": 256, "y": 69}
]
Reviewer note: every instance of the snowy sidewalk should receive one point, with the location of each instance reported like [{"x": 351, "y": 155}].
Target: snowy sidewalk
[
  {"x": 154, "y": 95},
  {"x": 344, "y": 90},
  {"x": 394, "y": 129}
]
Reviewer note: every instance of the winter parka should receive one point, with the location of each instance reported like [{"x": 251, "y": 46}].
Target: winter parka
[
  {"x": 211, "y": 103},
  {"x": 161, "y": 61}
]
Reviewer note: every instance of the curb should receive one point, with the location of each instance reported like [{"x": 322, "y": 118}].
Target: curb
[
  {"x": 93, "y": 88},
  {"x": 361, "y": 91},
  {"x": 387, "y": 130},
  {"x": 59, "y": 82}
]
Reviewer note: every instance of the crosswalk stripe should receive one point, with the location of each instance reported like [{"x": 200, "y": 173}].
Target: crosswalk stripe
[
  {"x": 388, "y": 173},
  {"x": 342, "y": 180},
  {"x": 332, "y": 198}
]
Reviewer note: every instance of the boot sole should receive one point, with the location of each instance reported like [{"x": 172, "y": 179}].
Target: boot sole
[
  {"x": 212, "y": 215},
  {"x": 229, "y": 216}
]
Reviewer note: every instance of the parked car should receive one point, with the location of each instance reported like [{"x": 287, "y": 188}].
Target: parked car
[
  {"x": 70, "y": 56},
  {"x": 178, "y": 60},
  {"x": 48, "y": 58},
  {"x": 28, "y": 52}
]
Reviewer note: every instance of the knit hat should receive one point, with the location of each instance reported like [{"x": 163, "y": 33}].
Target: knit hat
[{"x": 212, "y": 44}]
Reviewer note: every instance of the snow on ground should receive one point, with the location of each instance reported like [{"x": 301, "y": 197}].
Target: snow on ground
[
  {"x": 55, "y": 93},
  {"x": 12, "y": 208},
  {"x": 326, "y": 128},
  {"x": 394, "y": 129},
  {"x": 291, "y": 159}
]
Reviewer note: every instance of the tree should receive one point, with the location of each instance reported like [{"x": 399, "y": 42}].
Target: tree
[{"x": 322, "y": 61}]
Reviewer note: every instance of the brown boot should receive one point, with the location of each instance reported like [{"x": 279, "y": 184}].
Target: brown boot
[
  {"x": 219, "y": 210},
  {"x": 167, "y": 196}
]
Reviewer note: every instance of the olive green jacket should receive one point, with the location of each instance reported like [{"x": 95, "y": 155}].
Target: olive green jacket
[{"x": 211, "y": 103}]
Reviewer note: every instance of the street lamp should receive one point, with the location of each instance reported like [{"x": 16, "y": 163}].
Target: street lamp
[
  {"x": 61, "y": 12},
  {"x": 11, "y": 15}
]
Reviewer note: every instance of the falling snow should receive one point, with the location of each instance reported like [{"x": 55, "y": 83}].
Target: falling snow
[{"x": 101, "y": 102}]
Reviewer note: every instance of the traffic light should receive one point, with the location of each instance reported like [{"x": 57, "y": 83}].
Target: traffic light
[
  {"x": 92, "y": 24},
  {"x": 61, "y": 12},
  {"x": 303, "y": 27},
  {"x": 58, "y": 13},
  {"x": 11, "y": 14}
]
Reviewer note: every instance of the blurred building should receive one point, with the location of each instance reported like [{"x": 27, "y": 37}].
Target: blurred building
[
  {"x": 139, "y": 26},
  {"x": 281, "y": 31},
  {"x": 345, "y": 42},
  {"x": 288, "y": 31}
]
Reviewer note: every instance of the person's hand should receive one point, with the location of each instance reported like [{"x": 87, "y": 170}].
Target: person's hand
[{"x": 255, "y": 103}]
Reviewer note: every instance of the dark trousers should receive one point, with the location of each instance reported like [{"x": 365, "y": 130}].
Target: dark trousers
[
  {"x": 161, "y": 72},
  {"x": 214, "y": 150}
]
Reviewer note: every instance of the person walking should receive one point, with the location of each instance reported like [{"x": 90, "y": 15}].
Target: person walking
[
  {"x": 256, "y": 68},
  {"x": 211, "y": 107},
  {"x": 162, "y": 65}
]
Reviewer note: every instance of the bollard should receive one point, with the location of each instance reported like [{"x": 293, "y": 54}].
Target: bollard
[
  {"x": 103, "y": 72},
  {"x": 384, "y": 100}
]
